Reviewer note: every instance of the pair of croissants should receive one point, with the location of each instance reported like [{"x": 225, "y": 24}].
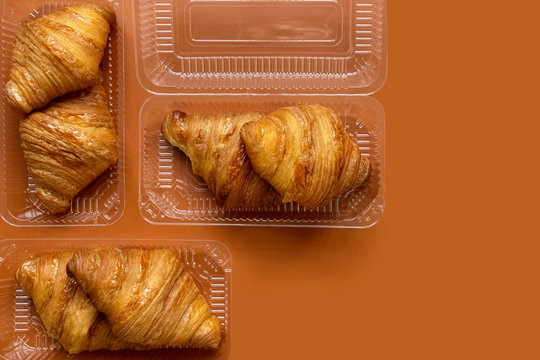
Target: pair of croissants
[
  {"x": 119, "y": 298},
  {"x": 69, "y": 142},
  {"x": 298, "y": 153}
]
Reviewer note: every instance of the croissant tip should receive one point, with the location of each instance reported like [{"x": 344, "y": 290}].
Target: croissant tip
[
  {"x": 13, "y": 100},
  {"x": 54, "y": 203},
  {"x": 19, "y": 274},
  {"x": 246, "y": 130},
  {"x": 25, "y": 273},
  {"x": 106, "y": 10},
  {"x": 175, "y": 115},
  {"x": 368, "y": 169},
  {"x": 178, "y": 114},
  {"x": 69, "y": 267}
]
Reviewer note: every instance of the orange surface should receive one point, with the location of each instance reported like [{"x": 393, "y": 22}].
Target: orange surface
[{"x": 452, "y": 269}]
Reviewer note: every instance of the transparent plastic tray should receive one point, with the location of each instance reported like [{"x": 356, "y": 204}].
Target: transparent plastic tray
[
  {"x": 303, "y": 46},
  {"x": 22, "y": 335},
  {"x": 169, "y": 192},
  {"x": 101, "y": 202}
]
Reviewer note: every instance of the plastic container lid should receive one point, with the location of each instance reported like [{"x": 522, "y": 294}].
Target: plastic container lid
[{"x": 328, "y": 46}]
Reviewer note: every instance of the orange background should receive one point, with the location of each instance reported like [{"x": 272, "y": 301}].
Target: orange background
[{"x": 452, "y": 269}]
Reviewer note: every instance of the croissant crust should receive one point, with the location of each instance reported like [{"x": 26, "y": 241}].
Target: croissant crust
[
  {"x": 57, "y": 54},
  {"x": 68, "y": 144},
  {"x": 212, "y": 142},
  {"x": 305, "y": 153},
  {"x": 147, "y": 296},
  {"x": 65, "y": 310}
]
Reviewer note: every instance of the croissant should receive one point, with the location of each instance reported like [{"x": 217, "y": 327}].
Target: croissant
[
  {"x": 68, "y": 144},
  {"x": 147, "y": 296},
  {"x": 305, "y": 153},
  {"x": 57, "y": 54},
  {"x": 66, "y": 312},
  {"x": 212, "y": 142}
]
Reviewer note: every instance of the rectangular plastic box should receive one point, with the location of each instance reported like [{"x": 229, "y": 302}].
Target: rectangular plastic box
[
  {"x": 101, "y": 202},
  {"x": 229, "y": 56},
  {"x": 22, "y": 335},
  {"x": 171, "y": 194},
  {"x": 261, "y": 46}
]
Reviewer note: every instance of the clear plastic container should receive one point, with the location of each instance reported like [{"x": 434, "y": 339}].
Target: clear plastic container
[
  {"x": 221, "y": 55},
  {"x": 102, "y": 201},
  {"x": 170, "y": 193},
  {"x": 22, "y": 335},
  {"x": 305, "y": 46}
]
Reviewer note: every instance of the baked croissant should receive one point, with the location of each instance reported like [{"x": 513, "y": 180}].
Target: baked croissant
[
  {"x": 305, "y": 153},
  {"x": 58, "y": 54},
  {"x": 68, "y": 144},
  {"x": 147, "y": 296},
  {"x": 66, "y": 312},
  {"x": 212, "y": 142}
]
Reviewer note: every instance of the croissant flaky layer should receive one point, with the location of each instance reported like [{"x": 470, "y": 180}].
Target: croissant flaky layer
[
  {"x": 68, "y": 144},
  {"x": 305, "y": 153},
  {"x": 66, "y": 311},
  {"x": 58, "y": 54},
  {"x": 147, "y": 296},
  {"x": 212, "y": 142}
]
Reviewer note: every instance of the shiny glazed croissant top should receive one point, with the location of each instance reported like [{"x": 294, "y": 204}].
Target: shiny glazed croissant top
[
  {"x": 64, "y": 309},
  {"x": 212, "y": 142},
  {"x": 147, "y": 296},
  {"x": 68, "y": 144},
  {"x": 305, "y": 153},
  {"x": 57, "y": 54}
]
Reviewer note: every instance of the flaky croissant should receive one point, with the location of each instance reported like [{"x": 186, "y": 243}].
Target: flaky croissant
[
  {"x": 147, "y": 296},
  {"x": 68, "y": 144},
  {"x": 212, "y": 142},
  {"x": 58, "y": 54},
  {"x": 66, "y": 312},
  {"x": 305, "y": 153}
]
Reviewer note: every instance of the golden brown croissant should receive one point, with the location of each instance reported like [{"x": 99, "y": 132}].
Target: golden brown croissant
[
  {"x": 66, "y": 312},
  {"x": 147, "y": 296},
  {"x": 305, "y": 153},
  {"x": 57, "y": 54},
  {"x": 68, "y": 144},
  {"x": 212, "y": 142}
]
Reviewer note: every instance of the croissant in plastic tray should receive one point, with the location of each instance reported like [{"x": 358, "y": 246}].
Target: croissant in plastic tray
[
  {"x": 68, "y": 144},
  {"x": 212, "y": 142},
  {"x": 119, "y": 298},
  {"x": 70, "y": 141},
  {"x": 57, "y": 54},
  {"x": 298, "y": 153},
  {"x": 305, "y": 153}
]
